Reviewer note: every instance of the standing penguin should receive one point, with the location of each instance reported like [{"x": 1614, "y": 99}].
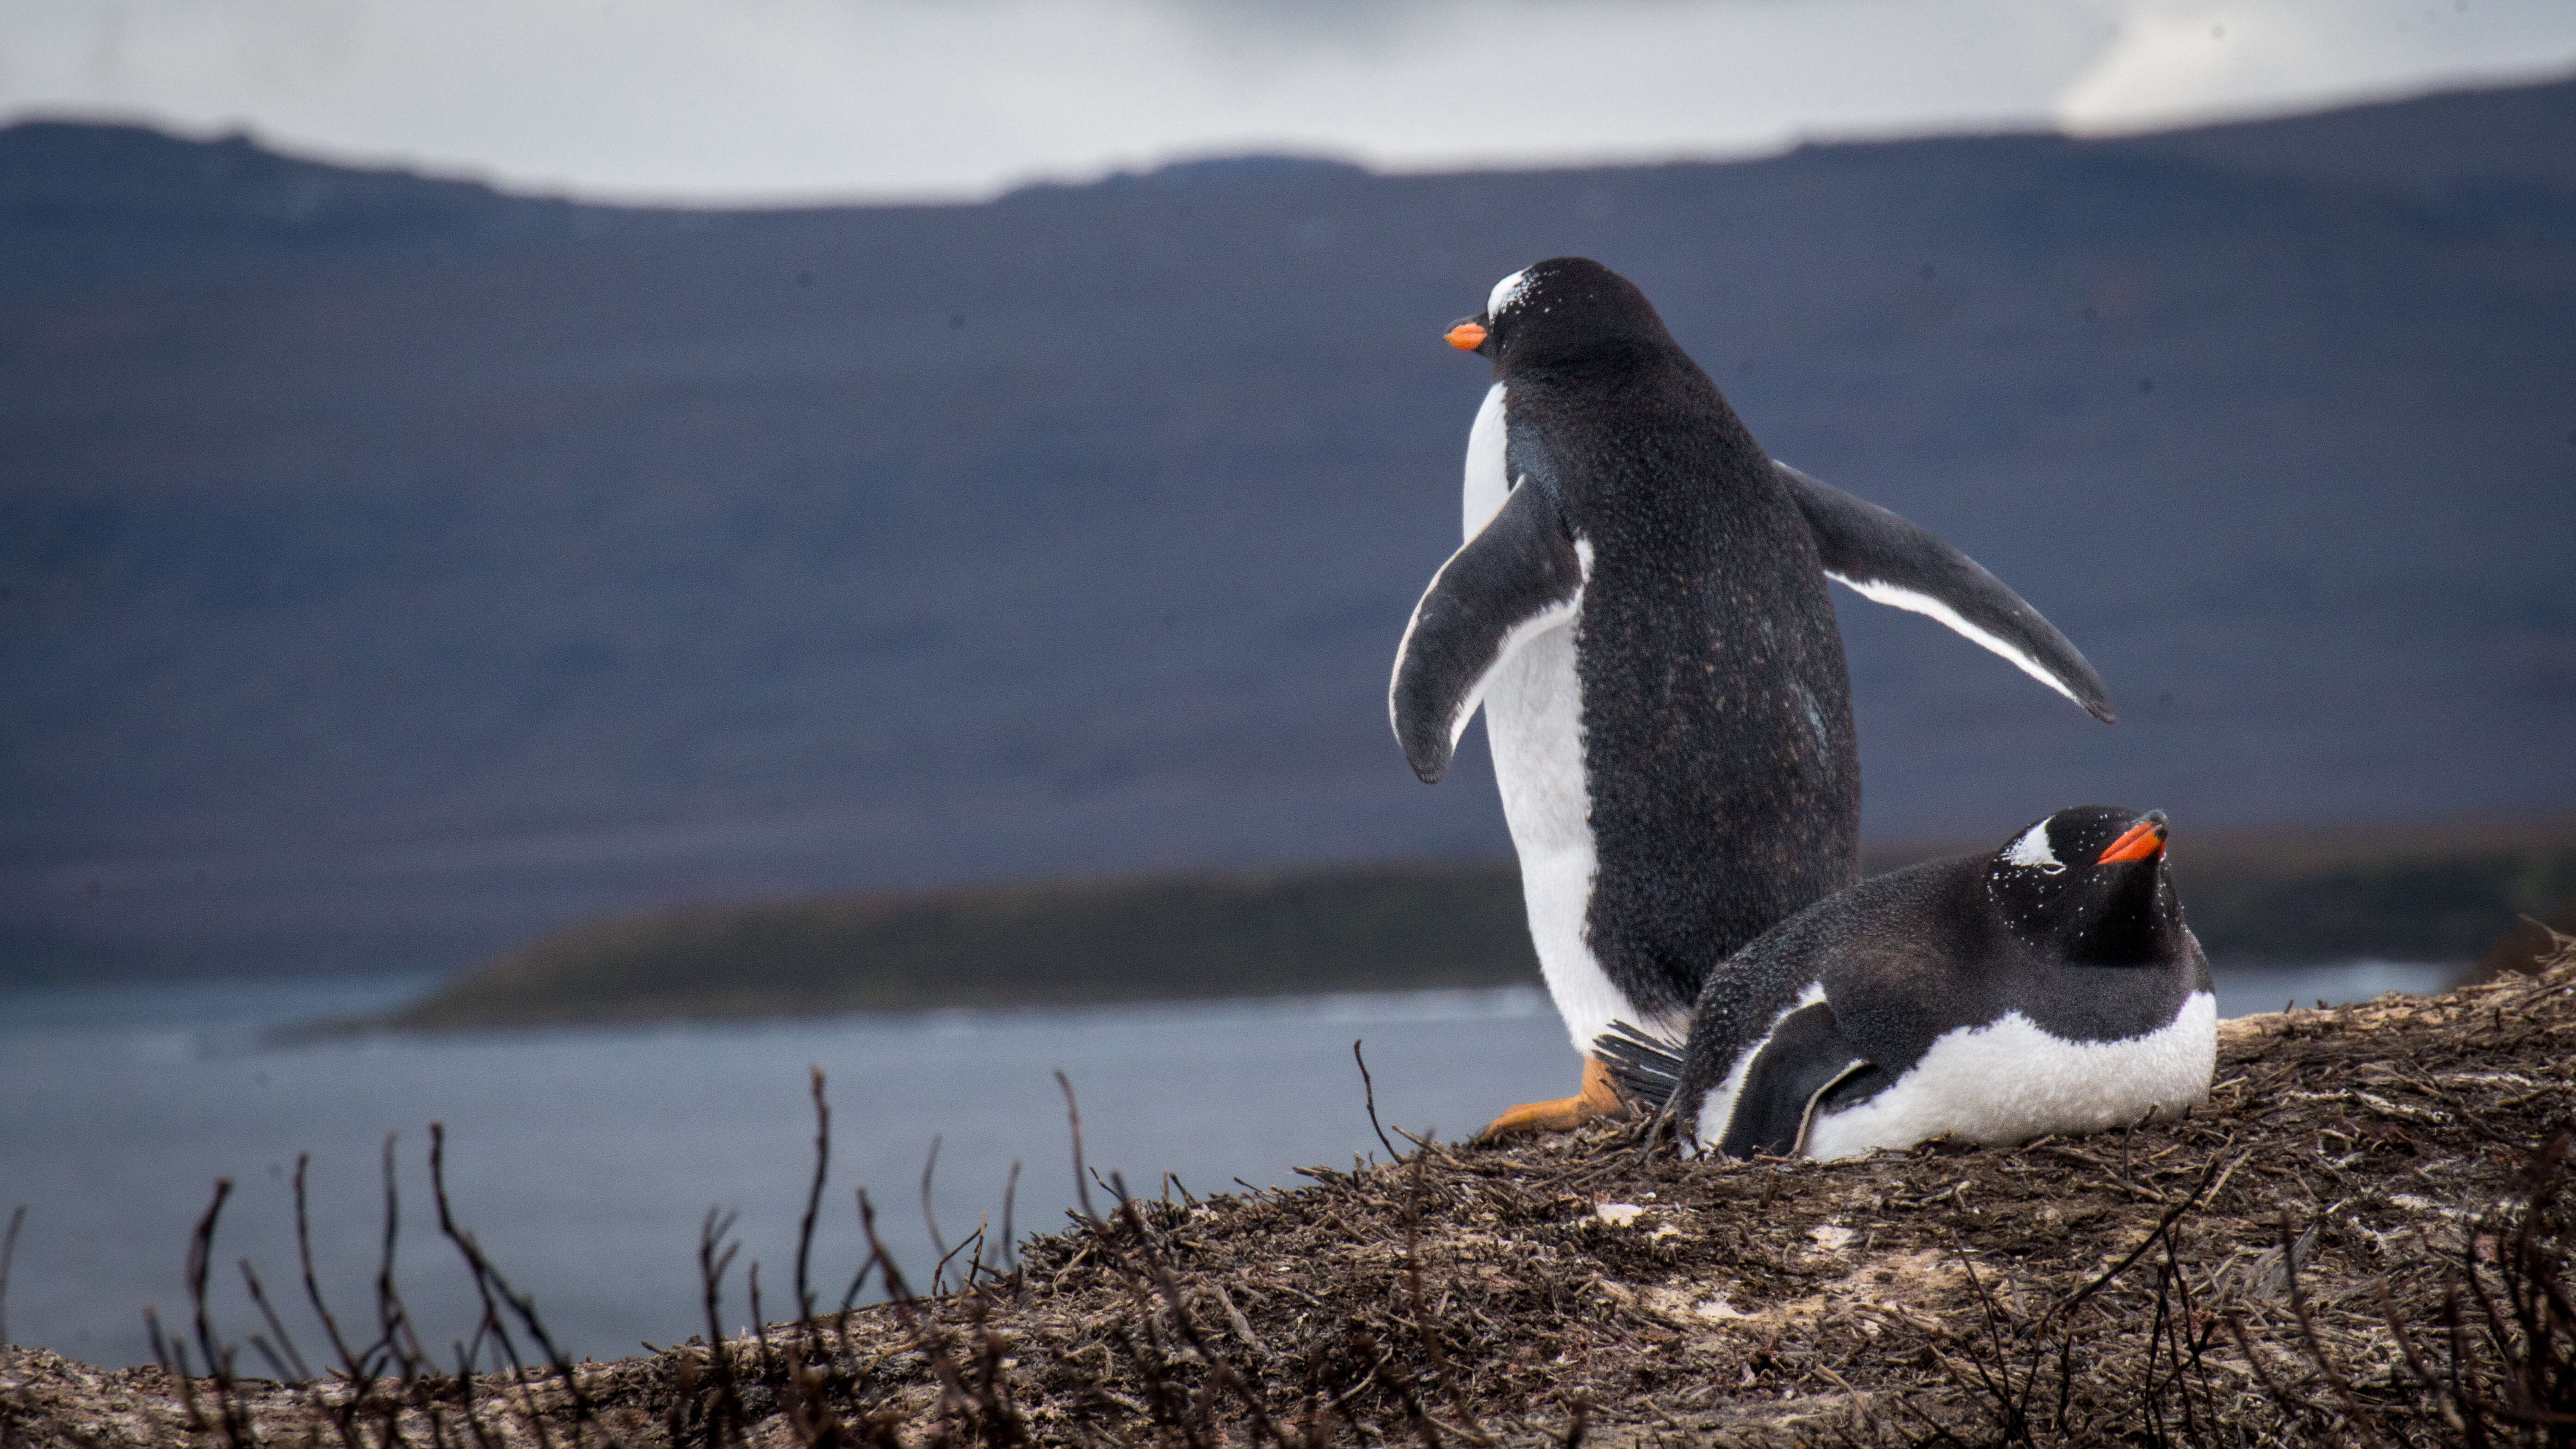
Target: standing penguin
[
  {"x": 1640, "y": 608},
  {"x": 2049, "y": 987}
]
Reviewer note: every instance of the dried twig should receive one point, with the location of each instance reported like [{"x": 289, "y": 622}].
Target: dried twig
[
  {"x": 813, "y": 1202},
  {"x": 1369, "y": 1089},
  {"x": 8, "y": 1253}
]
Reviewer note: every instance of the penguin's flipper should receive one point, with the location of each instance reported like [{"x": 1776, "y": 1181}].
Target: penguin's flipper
[
  {"x": 1890, "y": 561},
  {"x": 1518, "y": 577},
  {"x": 1805, "y": 1058},
  {"x": 1645, "y": 1069}
]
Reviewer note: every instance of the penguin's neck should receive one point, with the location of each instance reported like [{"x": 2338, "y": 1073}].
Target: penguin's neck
[{"x": 2133, "y": 925}]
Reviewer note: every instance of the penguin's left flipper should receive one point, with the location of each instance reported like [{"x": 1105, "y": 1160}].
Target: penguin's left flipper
[
  {"x": 1890, "y": 561},
  {"x": 1805, "y": 1058},
  {"x": 1518, "y": 577}
]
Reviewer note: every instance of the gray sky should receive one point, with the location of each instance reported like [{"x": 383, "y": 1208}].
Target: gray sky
[{"x": 736, "y": 100}]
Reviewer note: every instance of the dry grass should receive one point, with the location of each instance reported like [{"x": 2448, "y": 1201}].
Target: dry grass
[{"x": 2360, "y": 1240}]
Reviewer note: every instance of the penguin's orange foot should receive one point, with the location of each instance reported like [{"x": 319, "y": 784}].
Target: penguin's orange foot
[{"x": 1599, "y": 1099}]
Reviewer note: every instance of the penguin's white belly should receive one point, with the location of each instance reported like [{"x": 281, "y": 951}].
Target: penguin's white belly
[
  {"x": 1534, "y": 720},
  {"x": 2009, "y": 1081}
]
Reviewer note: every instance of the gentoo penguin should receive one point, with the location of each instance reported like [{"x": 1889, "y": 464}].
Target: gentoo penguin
[
  {"x": 1640, "y": 608},
  {"x": 2049, "y": 987}
]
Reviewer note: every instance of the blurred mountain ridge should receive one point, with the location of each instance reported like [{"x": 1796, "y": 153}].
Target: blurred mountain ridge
[
  {"x": 2250, "y": 901},
  {"x": 391, "y": 568},
  {"x": 74, "y": 174}
]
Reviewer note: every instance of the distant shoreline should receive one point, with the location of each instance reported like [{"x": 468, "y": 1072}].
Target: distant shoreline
[
  {"x": 2277, "y": 902},
  {"x": 1507, "y": 1000},
  {"x": 2277, "y": 987},
  {"x": 1410, "y": 927}
]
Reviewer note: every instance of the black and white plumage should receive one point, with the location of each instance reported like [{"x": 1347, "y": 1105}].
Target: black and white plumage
[
  {"x": 2049, "y": 987},
  {"x": 1640, "y": 609}
]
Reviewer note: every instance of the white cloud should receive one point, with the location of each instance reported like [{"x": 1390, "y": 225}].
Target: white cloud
[
  {"x": 751, "y": 99},
  {"x": 2178, "y": 61}
]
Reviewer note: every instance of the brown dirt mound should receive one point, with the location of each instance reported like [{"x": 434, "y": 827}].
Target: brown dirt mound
[{"x": 2127, "y": 1287}]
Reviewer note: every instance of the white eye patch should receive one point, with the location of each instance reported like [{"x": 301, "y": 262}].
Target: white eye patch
[
  {"x": 1505, "y": 293},
  {"x": 2032, "y": 849}
]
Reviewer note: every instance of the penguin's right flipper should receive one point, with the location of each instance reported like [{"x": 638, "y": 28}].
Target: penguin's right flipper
[
  {"x": 1805, "y": 1058},
  {"x": 1518, "y": 577},
  {"x": 1890, "y": 561}
]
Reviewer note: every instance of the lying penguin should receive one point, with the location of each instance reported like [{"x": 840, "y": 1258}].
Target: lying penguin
[
  {"x": 1640, "y": 609},
  {"x": 2050, "y": 987}
]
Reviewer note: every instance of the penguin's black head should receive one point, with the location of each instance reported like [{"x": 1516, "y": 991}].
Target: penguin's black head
[
  {"x": 2089, "y": 885},
  {"x": 1566, "y": 309}
]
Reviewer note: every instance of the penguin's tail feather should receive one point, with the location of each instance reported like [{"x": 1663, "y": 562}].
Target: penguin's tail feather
[{"x": 1646, "y": 1069}]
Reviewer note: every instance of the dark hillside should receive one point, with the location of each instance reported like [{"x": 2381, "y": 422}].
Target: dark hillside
[
  {"x": 77, "y": 176},
  {"x": 394, "y": 569},
  {"x": 85, "y": 207},
  {"x": 2413, "y": 145}
]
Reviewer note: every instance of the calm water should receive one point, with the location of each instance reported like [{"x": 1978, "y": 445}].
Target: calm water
[{"x": 585, "y": 1160}]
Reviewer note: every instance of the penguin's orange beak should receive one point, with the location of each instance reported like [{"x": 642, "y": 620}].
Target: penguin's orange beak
[
  {"x": 2142, "y": 841},
  {"x": 1466, "y": 336}
]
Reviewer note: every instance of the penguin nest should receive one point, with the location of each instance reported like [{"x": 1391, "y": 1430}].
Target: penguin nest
[{"x": 2357, "y": 1239}]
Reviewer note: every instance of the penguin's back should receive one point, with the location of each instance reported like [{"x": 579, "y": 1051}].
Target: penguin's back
[{"x": 1717, "y": 739}]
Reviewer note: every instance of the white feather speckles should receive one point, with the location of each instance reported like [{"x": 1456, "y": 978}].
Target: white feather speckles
[
  {"x": 2033, "y": 849},
  {"x": 1505, "y": 293}
]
